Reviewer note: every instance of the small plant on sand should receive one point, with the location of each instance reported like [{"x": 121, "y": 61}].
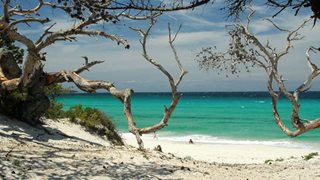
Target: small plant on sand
[
  {"x": 95, "y": 121},
  {"x": 55, "y": 110},
  {"x": 268, "y": 161},
  {"x": 310, "y": 156},
  {"x": 92, "y": 119},
  {"x": 279, "y": 159},
  {"x": 146, "y": 156}
]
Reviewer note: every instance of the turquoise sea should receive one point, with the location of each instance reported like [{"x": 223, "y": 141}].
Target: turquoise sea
[{"x": 218, "y": 117}]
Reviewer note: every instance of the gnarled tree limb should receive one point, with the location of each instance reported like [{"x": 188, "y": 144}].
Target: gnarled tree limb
[
  {"x": 86, "y": 14},
  {"x": 173, "y": 84},
  {"x": 125, "y": 95},
  {"x": 52, "y": 38},
  {"x": 248, "y": 50}
]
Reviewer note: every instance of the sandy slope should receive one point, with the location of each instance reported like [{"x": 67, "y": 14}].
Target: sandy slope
[{"x": 31, "y": 153}]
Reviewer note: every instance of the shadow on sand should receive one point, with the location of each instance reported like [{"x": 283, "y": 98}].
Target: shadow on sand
[
  {"x": 18, "y": 161},
  {"x": 21, "y": 131}
]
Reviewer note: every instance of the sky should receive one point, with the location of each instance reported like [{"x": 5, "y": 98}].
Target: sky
[{"x": 202, "y": 27}]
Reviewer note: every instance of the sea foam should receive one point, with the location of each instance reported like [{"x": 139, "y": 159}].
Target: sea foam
[{"x": 206, "y": 139}]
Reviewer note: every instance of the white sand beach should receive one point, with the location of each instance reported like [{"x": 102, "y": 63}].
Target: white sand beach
[
  {"x": 223, "y": 153},
  {"x": 69, "y": 152}
]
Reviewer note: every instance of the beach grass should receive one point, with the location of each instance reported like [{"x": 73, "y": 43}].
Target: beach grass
[{"x": 310, "y": 156}]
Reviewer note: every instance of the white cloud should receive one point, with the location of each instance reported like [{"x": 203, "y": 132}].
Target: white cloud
[
  {"x": 60, "y": 25},
  {"x": 128, "y": 68},
  {"x": 196, "y": 20},
  {"x": 260, "y": 26},
  {"x": 191, "y": 38}
]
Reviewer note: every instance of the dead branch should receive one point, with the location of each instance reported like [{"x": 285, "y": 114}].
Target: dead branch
[
  {"x": 63, "y": 35},
  {"x": 45, "y": 33},
  {"x": 160, "y": 8},
  {"x": 18, "y": 10},
  {"x": 236, "y": 7},
  {"x": 6, "y": 16},
  {"x": 87, "y": 66},
  {"x": 243, "y": 43},
  {"x": 27, "y": 20},
  {"x": 86, "y": 14},
  {"x": 154, "y": 15},
  {"x": 15, "y": 36},
  {"x": 274, "y": 76},
  {"x": 125, "y": 95}
]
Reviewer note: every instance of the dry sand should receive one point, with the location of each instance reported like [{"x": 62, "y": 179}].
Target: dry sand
[
  {"x": 69, "y": 152},
  {"x": 222, "y": 153}
]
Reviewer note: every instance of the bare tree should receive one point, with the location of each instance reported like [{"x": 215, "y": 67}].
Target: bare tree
[
  {"x": 236, "y": 7},
  {"x": 28, "y": 79},
  {"x": 246, "y": 50}
]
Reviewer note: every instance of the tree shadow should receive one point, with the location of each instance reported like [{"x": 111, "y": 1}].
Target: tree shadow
[
  {"x": 50, "y": 161},
  {"x": 72, "y": 167},
  {"x": 21, "y": 131}
]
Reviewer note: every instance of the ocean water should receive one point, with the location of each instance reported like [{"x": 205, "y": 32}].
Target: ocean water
[{"x": 218, "y": 118}]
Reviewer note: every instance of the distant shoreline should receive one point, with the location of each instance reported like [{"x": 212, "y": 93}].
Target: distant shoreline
[
  {"x": 79, "y": 92},
  {"x": 223, "y": 153},
  {"x": 218, "y": 93},
  {"x": 220, "y": 141}
]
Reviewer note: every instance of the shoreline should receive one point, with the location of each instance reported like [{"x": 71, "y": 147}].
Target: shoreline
[
  {"x": 70, "y": 152},
  {"x": 212, "y": 140},
  {"x": 223, "y": 153}
]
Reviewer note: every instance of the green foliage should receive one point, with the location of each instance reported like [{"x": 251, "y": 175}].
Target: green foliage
[
  {"x": 55, "y": 110},
  {"x": 310, "y": 156},
  {"x": 55, "y": 90},
  {"x": 92, "y": 119},
  {"x": 9, "y": 101},
  {"x": 6, "y": 43},
  {"x": 92, "y": 116}
]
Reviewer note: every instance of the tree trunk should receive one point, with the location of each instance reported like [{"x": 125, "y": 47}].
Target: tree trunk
[{"x": 25, "y": 104}]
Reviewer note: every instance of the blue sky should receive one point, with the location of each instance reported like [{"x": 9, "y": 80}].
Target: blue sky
[{"x": 202, "y": 27}]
